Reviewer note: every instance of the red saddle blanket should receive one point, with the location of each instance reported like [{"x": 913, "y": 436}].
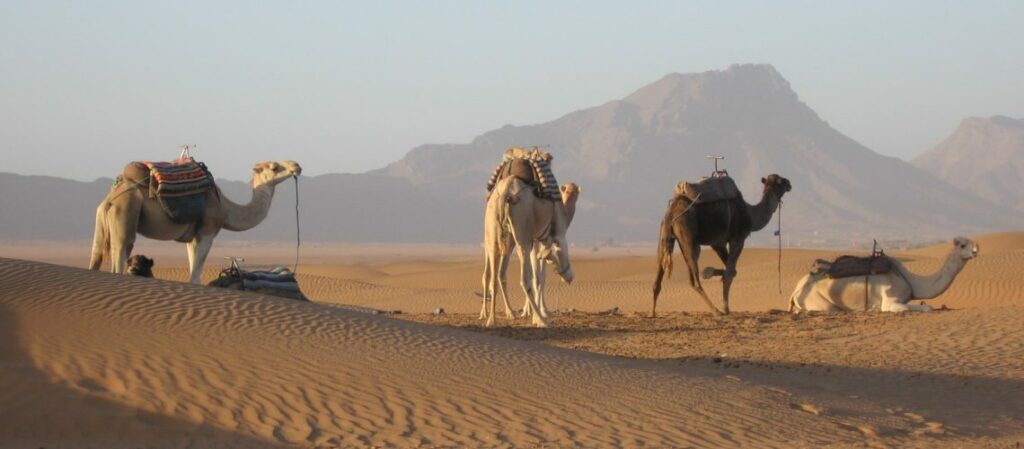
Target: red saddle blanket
[{"x": 178, "y": 178}]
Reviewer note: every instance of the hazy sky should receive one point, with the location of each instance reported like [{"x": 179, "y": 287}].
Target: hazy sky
[{"x": 350, "y": 86}]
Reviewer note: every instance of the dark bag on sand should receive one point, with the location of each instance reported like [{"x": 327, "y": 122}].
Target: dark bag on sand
[{"x": 277, "y": 282}]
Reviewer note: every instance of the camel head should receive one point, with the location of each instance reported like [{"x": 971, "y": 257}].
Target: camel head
[
  {"x": 570, "y": 192},
  {"x": 776, "y": 185},
  {"x": 273, "y": 173},
  {"x": 556, "y": 252},
  {"x": 965, "y": 247},
  {"x": 139, "y": 265}
]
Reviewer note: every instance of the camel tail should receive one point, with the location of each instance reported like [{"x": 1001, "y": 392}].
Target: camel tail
[
  {"x": 100, "y": 239},
  {"x": 666, "y": 244}
]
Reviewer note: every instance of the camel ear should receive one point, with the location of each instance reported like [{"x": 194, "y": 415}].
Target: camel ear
[
  {"x": 274, "y": 166},
  {"x": 764, "y": 181}
]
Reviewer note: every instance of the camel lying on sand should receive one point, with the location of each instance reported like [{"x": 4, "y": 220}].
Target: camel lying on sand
[
  {"x": 889, "y": 292},
  {"x": 139, "y": 265}
]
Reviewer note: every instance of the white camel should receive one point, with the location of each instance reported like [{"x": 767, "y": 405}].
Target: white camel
[
  {"x": 128, "y": 210},
  {"x": 889, "y": 292},
  {"x": 516, "y": 218},
  {"x": 541, "y": 252}
]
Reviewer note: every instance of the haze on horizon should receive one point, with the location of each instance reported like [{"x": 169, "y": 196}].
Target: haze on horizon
[{"x": 347, "y": 87}]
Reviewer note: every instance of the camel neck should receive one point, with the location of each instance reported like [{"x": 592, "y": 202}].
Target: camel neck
[
  {"x": 761, "y": 213},
  {"x": 239, "y": 217},
  {"x": 570, "y": 210},
  {"x": 935, "y": 284}
]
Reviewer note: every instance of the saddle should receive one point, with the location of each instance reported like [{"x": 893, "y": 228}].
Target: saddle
[
  {"x": 853, "y": 266},
  {"x": 708, "y": 190},
  {"x": 532, "y": 167},
  {"x": 180, "y": 186},
  {"x": 278, "y": 282}
]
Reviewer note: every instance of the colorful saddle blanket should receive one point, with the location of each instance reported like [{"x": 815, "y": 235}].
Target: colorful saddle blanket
[
  {"x": 708, "y": 190},
  {"x": 532, "y": 166},
  {"x": 180, "y": 186}
]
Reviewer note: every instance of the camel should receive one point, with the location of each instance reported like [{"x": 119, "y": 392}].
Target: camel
[
  {"x": 723, "y": 225},
  {"x": 140, "y": 265},
  {"x": 515, "y": 218},
  {"x": 889, "y": 292},
  {"x": 128, "y": 210},
  {"x": 492, "y": 231}
]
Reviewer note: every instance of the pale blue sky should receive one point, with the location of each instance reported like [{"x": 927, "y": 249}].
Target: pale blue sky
[{"x": 351, "y": 86}]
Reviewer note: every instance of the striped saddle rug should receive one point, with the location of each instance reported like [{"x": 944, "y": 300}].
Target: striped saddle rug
[
  {"x": 180, "y": 186},
  {"x": 532, "y": 166}
]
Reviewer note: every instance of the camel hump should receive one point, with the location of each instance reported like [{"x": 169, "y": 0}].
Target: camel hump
[
  {"x": 136, "y": 172},
  {"x": 708, "y": 190}
]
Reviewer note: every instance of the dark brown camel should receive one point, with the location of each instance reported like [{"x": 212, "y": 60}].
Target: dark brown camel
[{"x": 723, "y": 225}]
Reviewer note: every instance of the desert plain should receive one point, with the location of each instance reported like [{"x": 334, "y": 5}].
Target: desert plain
[{"x": 92, "y": 359}]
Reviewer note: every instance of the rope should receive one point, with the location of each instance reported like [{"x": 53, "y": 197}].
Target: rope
[
  {"x": 693, "y": 202},
  {"x": 778, "y": 232},
  {"x": 298, "y": 235},
  {"x": 135, "y": 185}
]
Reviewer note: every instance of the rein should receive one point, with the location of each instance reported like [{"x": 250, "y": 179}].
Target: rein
[
  {"x": 778, "y": 233},
  {"x": 298, "y": 235}
]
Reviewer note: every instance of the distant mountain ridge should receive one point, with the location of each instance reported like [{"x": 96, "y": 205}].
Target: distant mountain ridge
[
  {"x": 984, "y": 156},
  {"x": 627, "y": 155}
]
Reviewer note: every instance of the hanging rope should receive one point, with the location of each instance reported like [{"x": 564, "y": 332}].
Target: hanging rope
[
  {"x": 298, "y": 236},
  {"x": 778, "y": 232}
]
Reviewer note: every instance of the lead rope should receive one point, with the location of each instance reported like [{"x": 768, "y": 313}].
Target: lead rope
[
  {"x": 298, "y": 235},
  {"x": 778, "y": 232}
]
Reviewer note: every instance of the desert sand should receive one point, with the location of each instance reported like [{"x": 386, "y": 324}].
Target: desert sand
[{"x": 92, "y": 359}]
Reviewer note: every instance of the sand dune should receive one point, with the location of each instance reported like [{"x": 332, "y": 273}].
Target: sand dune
[
  {"x": 177, "y": 364},
  {"x": 94, "y": 359}
]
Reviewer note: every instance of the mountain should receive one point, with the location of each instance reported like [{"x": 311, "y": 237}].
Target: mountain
[
  {"x": 627, "y": 155},
  {"x": 984, "y": 156}
]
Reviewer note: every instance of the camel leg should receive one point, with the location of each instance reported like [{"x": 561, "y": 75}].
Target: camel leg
[
  {"x": 123, "y": 223},
  {"x": 539, "y": 277},
  {"x": 691, "y": 254},
  {"x": 890, "y": 304},
  {"x": 524, "y": 250},
  {"x": 486, "y": 282},
  {"x": 735, "y": 248},
  {"x": 101, "y": 237},
  {"x": 198, "y": 249},
  {"x": 503, "y": 281}
]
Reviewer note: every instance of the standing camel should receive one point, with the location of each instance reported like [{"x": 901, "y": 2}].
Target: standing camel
[
  {"x": 889, "y": 292},
  {"x": 128, "y": 210},
  {"x": 723, "y": 225},
  {"x": 493, "y": 230},
  {"x": 516, "y": 218}
]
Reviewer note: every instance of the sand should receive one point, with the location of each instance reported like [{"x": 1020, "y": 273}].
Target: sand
[{"x": 92, "y": 359}]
